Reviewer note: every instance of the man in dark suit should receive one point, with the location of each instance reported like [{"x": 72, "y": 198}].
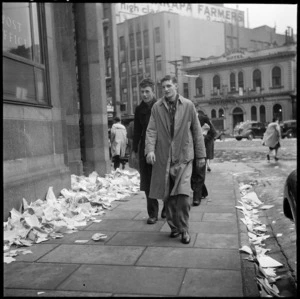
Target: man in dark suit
[{"x": 141, "y": 120}]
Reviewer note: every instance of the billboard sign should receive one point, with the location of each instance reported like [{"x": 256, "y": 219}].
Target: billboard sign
[{"x": 209, "y": 12}]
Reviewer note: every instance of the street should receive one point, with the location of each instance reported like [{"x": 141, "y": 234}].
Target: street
[{"x": 268, "y": 179}]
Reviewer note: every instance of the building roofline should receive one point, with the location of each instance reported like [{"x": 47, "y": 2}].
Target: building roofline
[{"x": 204, "y": 64}]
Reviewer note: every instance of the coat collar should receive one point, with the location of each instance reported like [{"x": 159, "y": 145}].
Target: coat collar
[{"x": 164, "y": 101}]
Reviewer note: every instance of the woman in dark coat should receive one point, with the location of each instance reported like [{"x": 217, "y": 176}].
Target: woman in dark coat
[
  {"x": 141, "y": 119},
  {"x": 209, "y": 138},
  {"x": 198, "y": 174}
]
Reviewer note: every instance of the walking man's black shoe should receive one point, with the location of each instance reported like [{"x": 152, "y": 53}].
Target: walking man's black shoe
[
  {"x": 185, "y": 238},
  {"x": 151, "y": 220},
  {"x": 174, "y": 234},
  {"x": 196, "y": 202}
]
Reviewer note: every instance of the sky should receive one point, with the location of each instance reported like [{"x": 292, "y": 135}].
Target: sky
[{"x": 282, "y": 15}]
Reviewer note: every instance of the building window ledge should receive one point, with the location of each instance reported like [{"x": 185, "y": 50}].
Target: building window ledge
[
  {"x": 276, "y": 87},
  {"x": 199, "y": 96}
]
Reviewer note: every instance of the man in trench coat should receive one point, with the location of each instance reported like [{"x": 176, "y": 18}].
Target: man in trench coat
[
  {"x": 173, "y": 138},
  {"x": 141, "y": 120}
]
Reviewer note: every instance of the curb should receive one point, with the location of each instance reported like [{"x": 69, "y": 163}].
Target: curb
[{"x": 250, "y": 288}]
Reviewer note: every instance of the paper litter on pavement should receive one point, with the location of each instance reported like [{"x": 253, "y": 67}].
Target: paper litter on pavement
[
  {"x": 250, "y": 204},
  {"x": 53, "y": 217}
]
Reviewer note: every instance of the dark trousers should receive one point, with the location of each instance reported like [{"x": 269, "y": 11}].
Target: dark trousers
[
  {"x": 177, "y": 212},
  {"x": 152, "y": 206},
  {"x": 197, "y": 182},
  {"x": 117, "y": 161}
]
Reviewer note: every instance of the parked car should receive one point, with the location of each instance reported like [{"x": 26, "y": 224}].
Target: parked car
[
  {"x": 249, "y": 129},
  {"x": 220, "y": 135},
  {"x": 290, "y": 197},
  {"x": 289, "y": 129}
]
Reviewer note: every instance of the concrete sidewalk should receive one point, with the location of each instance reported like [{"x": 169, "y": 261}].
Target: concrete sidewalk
[{"x": 138, "y": 259}]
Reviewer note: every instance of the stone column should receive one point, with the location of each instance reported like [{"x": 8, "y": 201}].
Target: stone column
[{"x": 91, "y": 75}]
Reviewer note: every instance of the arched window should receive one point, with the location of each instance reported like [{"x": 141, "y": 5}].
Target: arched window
[
  {"x": 262, "y": 113},
  {"x": 241, "y": 80},
  {"x": 232, "y": 82},
  {"x": 221, "y": 112},
  {"x": 276, "y": 77},
  {"x": 256, "y": 79},
  {"x": 277, "y": 111},
  {"x": 253, "y": 113},
  {"x": 213, "y": 113},
  {"x": 216, "y": 83},
  {"x": 199, "y": 86}
]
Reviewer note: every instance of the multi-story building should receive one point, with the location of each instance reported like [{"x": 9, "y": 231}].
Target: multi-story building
[
  {"x": 253, "y": 85},
  {"x": 157, "y": 44}
]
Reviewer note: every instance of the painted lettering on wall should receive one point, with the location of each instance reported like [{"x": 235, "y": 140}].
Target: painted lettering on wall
[
  {"x": 11, "y": 32},
  {"x": 201, "y": 11}
]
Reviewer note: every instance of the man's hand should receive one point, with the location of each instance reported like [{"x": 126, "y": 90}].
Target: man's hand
[
  {"x": 150, "y": 158},
  {"x": 200, "y": 163}
]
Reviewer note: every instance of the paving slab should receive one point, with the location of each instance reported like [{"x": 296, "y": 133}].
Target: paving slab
[
  {"x": 212, "y": 283},
  {"x": 38, "y": 250},
  {"x": 149, "y": 239},
  {"x": 82, "y": 235},
  {"x": 216, "y": 208},
  {"x": 125, "y": 279},
  {"x": 226, "y": 241},
  {"x": 92, "y": 254},
  {"x": 217, "y": 227},
  {"x": 119, "y": 214},
  {"x": 125, "y": 225},
  {"x": 221, "y": 202},
  {"x": 222, "y": 217},
  {"x": 50, "y": 293},
  {"x": 190, "y": 258},
  {"x": 25, "y": 275}
]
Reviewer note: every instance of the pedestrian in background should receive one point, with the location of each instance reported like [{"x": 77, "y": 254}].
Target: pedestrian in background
[
  {"x": 141, "y": 120},
  {"x": 198, "y": 174},
  {"x": 118, "y": 135},
  {"x": 272, "y": 138},
  {"x": 173, "y": 139},
  {"x": 133, "y": 163},
  {"x": 209, "y": 133}
]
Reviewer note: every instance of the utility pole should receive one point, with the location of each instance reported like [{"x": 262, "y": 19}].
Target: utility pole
[{"x": 175, "y": 63}]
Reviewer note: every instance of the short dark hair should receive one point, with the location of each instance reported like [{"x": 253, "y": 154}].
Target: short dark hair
[
  {"x": 168, "y": 78},
  {"x": 117, "y": 119},
  {"x": 147, "y": 82}
]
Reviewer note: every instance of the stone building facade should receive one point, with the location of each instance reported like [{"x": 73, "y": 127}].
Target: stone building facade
[
  {"x": 54, "y": 102},
  {"x": 240, "y": 86}
]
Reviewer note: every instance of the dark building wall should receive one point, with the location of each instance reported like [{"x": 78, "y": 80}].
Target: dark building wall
[{"x": 41, "y": 145}]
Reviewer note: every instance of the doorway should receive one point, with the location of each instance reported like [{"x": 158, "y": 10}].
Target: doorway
[{"x": 237, "y": 116}]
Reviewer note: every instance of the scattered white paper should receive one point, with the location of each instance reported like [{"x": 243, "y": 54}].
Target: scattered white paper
[
  {"x": 99, "y": 236},
  {"x": 81, "y": 241},
  {"x": 8, "y": 259},
  {"x": 279, "y": 235},
  {"x": 267, "y": 262},
  {"x": 97, "y": 220},
  {"x": 246, "y": 249},
  {"x": 266, "y": 207},
  {"x": 51, "y": 218}
]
